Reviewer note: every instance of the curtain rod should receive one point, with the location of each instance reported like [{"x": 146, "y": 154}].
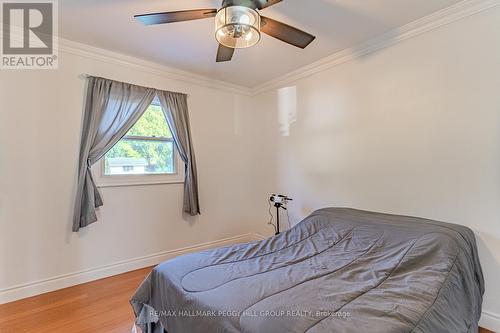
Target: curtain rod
[{"x": 86, "y": 76}]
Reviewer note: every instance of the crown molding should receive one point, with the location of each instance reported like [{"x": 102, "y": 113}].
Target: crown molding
[
  {"x": 99, "y": 54},
  {"x": 63, "y": 45},
  {"x": 428, "y": 23}
]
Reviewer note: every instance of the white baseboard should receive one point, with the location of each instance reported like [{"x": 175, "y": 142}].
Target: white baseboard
[
  {"x": 67, "y": 280},
  {"x": 258, "y": 237},
  {"x": 490, "y": 321}
]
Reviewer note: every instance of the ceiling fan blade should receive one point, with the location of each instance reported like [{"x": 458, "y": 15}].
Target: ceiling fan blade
[
  {"x": 224, "y": 53},
  {"x": 285, "y": 33},
  {"x": 261, "y": 4},
  {"x": 179, "y": 16}
]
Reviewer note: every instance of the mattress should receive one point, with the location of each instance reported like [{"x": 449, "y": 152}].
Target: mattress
[{"x": 339, "y": 270}]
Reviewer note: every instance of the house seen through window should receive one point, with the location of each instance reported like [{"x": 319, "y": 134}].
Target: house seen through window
[{"x": 147, "y": 148}]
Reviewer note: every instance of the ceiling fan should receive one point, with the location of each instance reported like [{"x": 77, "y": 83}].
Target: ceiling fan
[{"x": 238, "y": 24}]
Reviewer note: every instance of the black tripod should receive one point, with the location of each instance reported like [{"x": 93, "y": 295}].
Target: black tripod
[{"x": 279, "y": 202}]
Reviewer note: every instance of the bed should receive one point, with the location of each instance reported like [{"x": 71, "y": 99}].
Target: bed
[{"x": 339, "y": 270}]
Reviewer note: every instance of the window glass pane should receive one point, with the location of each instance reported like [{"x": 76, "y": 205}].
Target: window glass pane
[
  {"x": 152, "y": 123},
  {"x": 129, "y": 157}
]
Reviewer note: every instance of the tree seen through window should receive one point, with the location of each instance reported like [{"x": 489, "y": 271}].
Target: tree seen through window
[{"x": 147, "y": 148}]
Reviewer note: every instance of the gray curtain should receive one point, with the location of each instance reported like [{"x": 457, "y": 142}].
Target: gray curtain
[
  {"x": 174, "y": 106},
  {"x": 111, "y": 109}
]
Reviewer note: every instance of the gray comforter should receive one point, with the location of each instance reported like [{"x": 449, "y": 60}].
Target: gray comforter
[{"x": 339, "y": 270}]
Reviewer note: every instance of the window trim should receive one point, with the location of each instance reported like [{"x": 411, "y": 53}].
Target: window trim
[
  {"x": 103, "y": 180},
  {"x": 147, "y": 138}
]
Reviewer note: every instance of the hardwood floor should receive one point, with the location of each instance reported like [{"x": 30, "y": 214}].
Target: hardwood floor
[
  {"x": 100, "y": 306},
  {"x": 96, "y": 307},
  {"x": 482, "y": 330}
]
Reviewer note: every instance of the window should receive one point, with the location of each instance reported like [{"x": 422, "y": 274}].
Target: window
[{"x": 145, "y": 155}]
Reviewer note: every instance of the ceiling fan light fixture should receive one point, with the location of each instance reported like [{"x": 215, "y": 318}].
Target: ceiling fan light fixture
[{"x": 237, "y": 27}]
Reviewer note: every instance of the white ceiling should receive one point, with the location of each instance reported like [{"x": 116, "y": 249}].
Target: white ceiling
[{"x": 191, "y": 46}]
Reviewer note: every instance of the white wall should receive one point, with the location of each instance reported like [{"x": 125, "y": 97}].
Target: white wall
[
  {"x": 40, "y": 124},
  {"x": 412, "y": 129}
]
